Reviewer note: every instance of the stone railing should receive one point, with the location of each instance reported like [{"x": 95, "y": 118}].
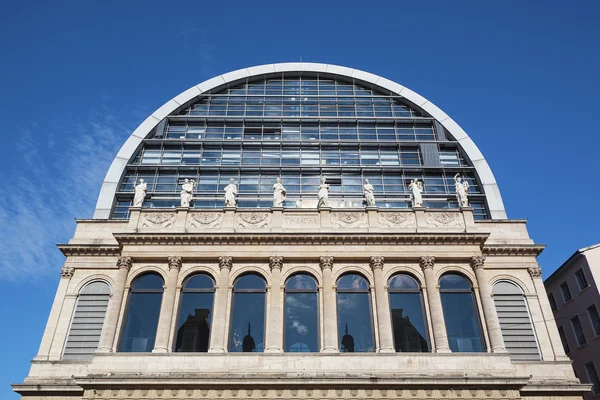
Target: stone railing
[{"x": 301, "y": 220}]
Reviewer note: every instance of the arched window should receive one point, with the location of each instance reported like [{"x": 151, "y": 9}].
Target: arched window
[
  {"x": 408, "y": 314},
  {"x": 355, "y": 322},
  {"x": 247, "y": 332},
  {"x": 515, "y": 323},
  {"x": 195, "y": 314},
  {"x": 143, "y": 310},
  {"x": 88, "y": 319},
  {"x": 301, "y": 317},
  {"x": 460, "y": 314}
]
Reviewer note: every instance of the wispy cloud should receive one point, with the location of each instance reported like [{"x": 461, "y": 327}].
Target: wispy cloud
[{"x": 56, "y": 177}]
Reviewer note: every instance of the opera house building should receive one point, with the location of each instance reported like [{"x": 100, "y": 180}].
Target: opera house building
[{"x": 300, "y": 231}]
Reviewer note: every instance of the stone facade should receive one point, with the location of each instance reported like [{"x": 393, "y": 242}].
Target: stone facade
[{"x": 277, "y": 244}]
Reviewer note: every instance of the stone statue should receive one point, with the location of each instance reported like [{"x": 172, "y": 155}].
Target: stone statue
[
  {"x": 140, "y": 193},
  {"x": 323, "y": 194},
  {"x": 230, "y": 193},
  {"x": 279, "y": 193},
  {"x": 416, "y": 188},
  {"x": 187, "y": 192},
  {"x": 368, "y": 193},
  {"x": 462, "y": 187}
]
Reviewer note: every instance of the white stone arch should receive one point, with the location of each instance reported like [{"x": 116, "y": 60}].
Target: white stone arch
[
  {"x": 127, "y": 151},
  {"x": 250, "y": 269},
  {"x": 144, "y": 270},
  {"x": 94, "y": 278},
  {"x": 354, "y": 269},
  {"x": 197, "y": 270},
  {"x": 415, "y": 272},
  {"x": 302, "y": 269}
]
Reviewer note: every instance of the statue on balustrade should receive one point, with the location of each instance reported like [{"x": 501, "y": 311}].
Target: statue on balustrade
[
  {"x": 416, "y": 187},
  {"x": 230, "y": 193},
  {"x": 187, "y": 190},
  {"x": 368, "y": 192},
  {"x": 140, "y": 193},
  {"x": 323, "y": 194},
  {"x": 462, "y": 188},
  {"x": 279, "y": 193}
]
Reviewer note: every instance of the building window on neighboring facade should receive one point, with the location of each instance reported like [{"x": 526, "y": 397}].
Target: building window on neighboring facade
[
  {"x": 552, "y": 301},
  {"x": 301, "y": 316},
  {"x": 582, "y": 282},
  {"x": 594, "y": 318},
  {"x": 593, "y": 377},
  {"x": 566, "y": 292},
  {"x": 515, "y": 322},
  {"x": 86, "y": 326},
  {"x": 355, "y": 322},
  {"x": 195, "y": 314},
  {"x": 408, "y": 314},
  {"x": 579, "y": 335},
  {"x": 247, "y": 332},
  {"x": 460, "y": 314},
  {"x": 143, "y": 310},
  {"x": 563, "y": 339}
]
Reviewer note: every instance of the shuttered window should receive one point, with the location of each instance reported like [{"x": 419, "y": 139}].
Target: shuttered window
[
  {"x": 86, "y": 326},
  {"x": 515, "y": 323}
]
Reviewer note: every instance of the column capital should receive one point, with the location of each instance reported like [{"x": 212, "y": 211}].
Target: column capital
[
  {"x": 427, "y": 262},
  {"x": 125, "y": 262},
  {"x": 174, "y": 262},
  {"x": 326, "y": 262},
  {"x": 275, "y": 262},
  {"x": 376, "y": 262},
  {"x": 477, "y": 262},
  {"x": 225, "y": 262},
  {"x": 67, "y": 272},
  {"x": 535, "y": 272}
]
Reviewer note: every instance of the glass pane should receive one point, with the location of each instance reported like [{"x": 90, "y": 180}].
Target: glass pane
[
  {"x": 355, "y": 332},
  {"x": 250, "y": 281},
  {"x": 403, "y": 281},
  {"x": 301, "y": 282},
  {"x": 462, "y": 324},
  {"x": 141, "y": 323},
  {"x": 454, "y": 281},
  {"x": 193, "y": 330},
  {"x": 301, "y": 322},
  {"x": 408, "y": 322},
  {"x": 199, "y": 281},
  {"x": 148, "y": 281},
  {"x": 247, "y": 322},
  {"x": 352, "y": 282}
]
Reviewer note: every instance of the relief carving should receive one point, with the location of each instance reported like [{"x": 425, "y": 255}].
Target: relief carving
[
  {"x": 253, "y": 220},
  {"x": 124, "y": 262},
  {"x": 349, "y": 220},
  {"x": 326, "y": 262},
  {"x": 535, "y": 272},
  {"x": 301, "y": 221},
  {"x": 445, "y": 220},
  {"x": 67, "y": 272},
  {"x": 157, "y": 220},
  {"x": 427, "y": 262},
  {"x": 205, "y": 220},
  {"x": 397, "y": 220},
  {"x": 477, "y": 262}
]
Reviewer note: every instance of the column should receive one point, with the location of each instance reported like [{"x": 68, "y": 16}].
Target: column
[
  {"x": 386, "y": 337},
  {"x": 163, "y": 331},
  {"x": 218, "y": 335},
  {"x": 275, "y": 332},
  {"x": 113, "y": 310},
  {"x": 489, "y": 308},
  {"x": 329, "y": 307},
  {"x": 440, "y": 335}
]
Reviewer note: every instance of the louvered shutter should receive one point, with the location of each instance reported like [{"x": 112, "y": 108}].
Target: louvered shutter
[
  {"x": 517, "y": 330},
  {"x": 88, "y": 319}
]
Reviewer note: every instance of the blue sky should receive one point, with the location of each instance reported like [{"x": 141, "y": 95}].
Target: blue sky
[{"x": 76, "y": 78}]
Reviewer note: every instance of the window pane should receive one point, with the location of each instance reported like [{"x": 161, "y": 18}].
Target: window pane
[
  {"x": 355, "y": 332},
  {"x": 193, "y": 330},
  {"x": 141, "y": 322},
  {"x": 594, "y": 318},
  {"x": 301, "y": 322},
  {"x": 408, "y": 322},
  {"x": 352, "y": 282},
  {"x": 579, "y": 335},
  {"x": 247, "y": 322}
]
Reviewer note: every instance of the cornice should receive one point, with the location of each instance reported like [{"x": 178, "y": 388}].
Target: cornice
[
  {"x": 513, "y": 249},
  {"x": 90, "y": 249}
]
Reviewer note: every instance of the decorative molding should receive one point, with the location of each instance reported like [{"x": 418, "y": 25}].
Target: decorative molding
[
  {"x": 67, "y": 272},
  {"x": 477, "y": 262},
  {"x": 535, "y": 272},
  {"x": 157, "y": 220},
  {"x": 225, "y": 262},
  {"x": 90, "y": 249},
  {"x": 513, "y": 250},
  {"x": 174, "y": 262},
  {"x": 326, "y": 262},
  {"x": 427, "y": 262},
  {"x": 125, "y": 262},
  {"x": 445, "y": 220},
  {"x": 275, "y": 262},
  {"x": 397, "y": 219},
  {"x": 205, "y": 220},
  {"x": 349, "y": 220},
  {"x": 253, "y": 220},
  {"x": 377, "y": 262}
]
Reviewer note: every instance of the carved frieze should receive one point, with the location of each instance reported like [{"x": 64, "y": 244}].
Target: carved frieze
[
  {"x": 157, "y": 220},
  {"x": 445, "y": 220},
  {"x": 253, "y": 220},
  {"x": 397, "y": 220},
  {"x": 205, "y": 220},
  {"x": 349, "y": 220}
]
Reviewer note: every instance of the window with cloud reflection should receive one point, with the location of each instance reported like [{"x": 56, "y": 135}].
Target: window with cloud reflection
[{"x": 355, "y": 320}]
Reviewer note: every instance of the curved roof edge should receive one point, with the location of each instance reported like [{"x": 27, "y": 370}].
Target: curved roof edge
[{"x": 113, "y": 176}]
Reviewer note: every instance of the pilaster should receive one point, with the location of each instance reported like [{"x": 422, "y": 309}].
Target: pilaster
[
  {"x": 329, "y": 307},
  {"x": 161, "y": 345},
  {"x": 386, "y": 337},
  {"x": 275, "y": 327},
  {"x": 438, "y": 324},
  {"x": 218, "y": 335}
]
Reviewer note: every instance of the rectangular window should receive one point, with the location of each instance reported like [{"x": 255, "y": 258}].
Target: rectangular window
[
  {"x": 552, "y": 302},
  {"x": 581, "y": 280},
  {"x": 579, "y": 335},
  {"x": 594, "y": 318},
  {"x": 566, "y": 292},
  {"x": 593, "y": 377},
  {"x": 563, "y": 339}
]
